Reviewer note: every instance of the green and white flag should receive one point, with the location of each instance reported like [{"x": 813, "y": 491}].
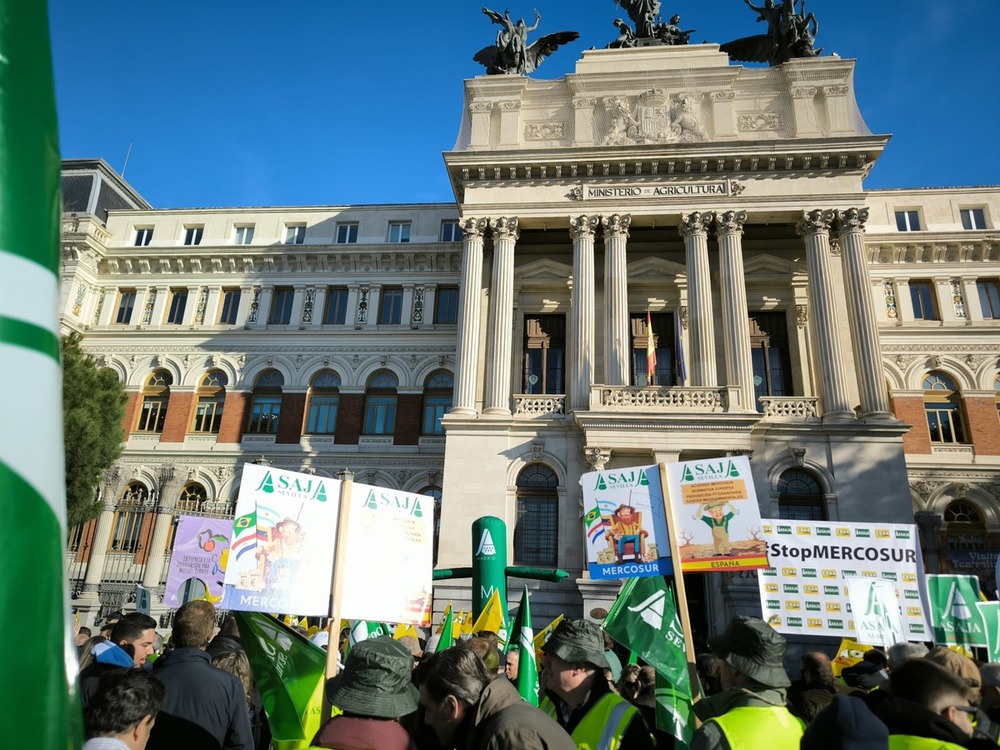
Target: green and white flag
[
  {"x": 32, "y": 476},
  {"x": 955, "y": 616},
  {"x": 644, "y": 619},
  {"x": 522, "y": 637},
  {"x": 362, "y": 630},
  {"x": 876, "y": 611},
  {"x": 447, "y": 639},
  {"x": 990, "y": 612}
]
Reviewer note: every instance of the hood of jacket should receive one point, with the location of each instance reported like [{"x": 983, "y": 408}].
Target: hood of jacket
[{"x": 753, "y": 694}]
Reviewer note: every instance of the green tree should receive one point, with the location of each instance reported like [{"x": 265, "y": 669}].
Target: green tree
[{"x": 93, "y": 409}]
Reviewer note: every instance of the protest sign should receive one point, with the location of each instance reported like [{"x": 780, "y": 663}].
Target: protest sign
[
  {"x": 954, "y": 606},
  {"x": 805, "y": 591},
  {"x": 388, "y": 575},
  {"x": 990, "y": 612},
  {"x": 875, "y": 611},
  {"x": 624, "y": 523},
  {"x": 716, "y": 514},
  {"x": 281, "y": 556},
  {"x": 198, "y": 561}
]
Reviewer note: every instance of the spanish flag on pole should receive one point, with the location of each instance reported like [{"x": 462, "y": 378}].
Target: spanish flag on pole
[
  {"x": 39, "y": 663},
  {"x": 650, "y": 351}
]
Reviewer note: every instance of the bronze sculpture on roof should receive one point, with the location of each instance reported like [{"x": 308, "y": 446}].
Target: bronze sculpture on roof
[
  {"x": 791, "y": 33},
  {"x": 648, "y": 28},
  {"x": 511, "y": 53}
]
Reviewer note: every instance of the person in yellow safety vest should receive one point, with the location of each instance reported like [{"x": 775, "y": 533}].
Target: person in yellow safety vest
[
  {"x": 927, "y": 707},
  {"x": 577, "y": 695},
  {"x": 750, "y": 711}
]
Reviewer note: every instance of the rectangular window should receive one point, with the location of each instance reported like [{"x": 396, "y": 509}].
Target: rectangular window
[
  {"x": 264, "y": 414},
  {"x": 336, "y": 306},
  {"x": 178, "y": 301},
  {"x": 230, "y": 307},
  {"x": 281, "y": 305},
  {"x": 244, "y": 234},
  {"x": 295, "y": 234},
  {"x": 193, "y": 235},
  {"x": 989, "y": 298},
  {"x": 399, "y": 231},
  {"x": 446, "y": 305},
  {"x": 922, "y": 296},
  {"x": 944, "y": 422},
  {"x": 545, "y": 354},
  {"x": 769, "y": 354},
  {"x": 663, "y": 343},
  {"x": 126, "y": 301},
  {"x": 347, "y": 234},
  {"x": 380, "y": 415},
  {"x": 450, "y": 231},
  {"x": 143, "y": 236},
  {"x": 322, "y": 418},
  {"x": 973, "y": 218},
  {"x": 390, "y": 309},
  {"x": 208, "y": 414},
  {"x": 908, "y": 221},
  {"x": 435, "y": 407}
]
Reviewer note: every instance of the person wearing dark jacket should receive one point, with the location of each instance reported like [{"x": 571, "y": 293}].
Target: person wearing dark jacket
[
  {"x": 470, "y": 710},
  {"x": 228, "y": 638},
  {"x": 204, "y": 707},
  {"x": 846, "y": 724}
]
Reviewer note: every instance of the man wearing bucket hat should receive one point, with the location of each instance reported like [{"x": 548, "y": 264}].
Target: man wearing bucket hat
[
  {"x": 750, "y": 711},
  {"x": 374, "y": 690},
  {"x": 577, "y": 694}
]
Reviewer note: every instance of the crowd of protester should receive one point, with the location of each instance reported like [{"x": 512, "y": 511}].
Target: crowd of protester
[{"x": 198, "y": 692}]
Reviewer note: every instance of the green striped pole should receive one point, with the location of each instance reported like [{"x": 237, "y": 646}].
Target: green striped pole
[{"x": 38, "y": 661}]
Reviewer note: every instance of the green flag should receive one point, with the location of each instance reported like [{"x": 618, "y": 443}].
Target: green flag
[
  {"x": 990, "y": 612},
  {"x": 447, "y": 639},
  {"x": 32, "y": 480},
  {"x": 955, "y": 616},
  {"x": 522, "y": 637},
  {"x": 644, "y": 619},
  {"x": 290, "y": 675}
]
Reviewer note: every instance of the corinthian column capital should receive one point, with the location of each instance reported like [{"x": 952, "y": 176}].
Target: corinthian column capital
[
  {"x": 505, "y": 228},
  {"x": 472, "y": 227},
  {"x": 851, "y": 220},
  {"x": 730, "y": 222},
  {"x": 695, "y": 223},
  {"x": 616, "y": 225},
  {"x": 583, "y": 227},
  {"x": 813, "y": 222}
]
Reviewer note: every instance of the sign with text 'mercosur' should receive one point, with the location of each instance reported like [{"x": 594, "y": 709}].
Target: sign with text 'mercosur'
[{"x": 805, "y": 591}]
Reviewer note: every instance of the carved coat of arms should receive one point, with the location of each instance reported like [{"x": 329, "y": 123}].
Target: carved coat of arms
[{"x": 651, "y": 117}]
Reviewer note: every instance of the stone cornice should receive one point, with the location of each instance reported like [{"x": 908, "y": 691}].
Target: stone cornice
[{"x": 926, "y": 247}]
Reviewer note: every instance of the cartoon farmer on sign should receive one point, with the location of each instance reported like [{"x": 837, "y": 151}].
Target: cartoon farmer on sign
[
  {"x": 717, "y": 519},
  {"x": 626, "y": 526}
]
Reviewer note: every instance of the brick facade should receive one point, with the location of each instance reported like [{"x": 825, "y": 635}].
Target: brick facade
[
  {"x": 293, "y": 411},
  {"x": 984, "y": 424},
  {"x": 178, "y": 419},
  {"x": 232, "y": 422},
  {"x": 408, "y": 407},
  {"x": 350, "y": 411},
  {"x": 131, "y": 417},
  {"x": 910, "y": 409}
]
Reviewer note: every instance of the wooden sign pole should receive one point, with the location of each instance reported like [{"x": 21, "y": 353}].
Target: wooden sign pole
[
  {"x": 682, "y": 607},
  {"x": 333, "y": 647}
]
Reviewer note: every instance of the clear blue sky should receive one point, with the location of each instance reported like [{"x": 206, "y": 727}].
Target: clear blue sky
[{"x": 314, "y": 102}]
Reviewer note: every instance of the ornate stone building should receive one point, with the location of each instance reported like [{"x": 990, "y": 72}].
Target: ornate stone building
[{"x": 847, "y": 340}]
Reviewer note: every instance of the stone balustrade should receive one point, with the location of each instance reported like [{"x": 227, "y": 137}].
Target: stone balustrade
[
  {"x": 790, "y": 408},
  {"x": 527, "y": 405}
]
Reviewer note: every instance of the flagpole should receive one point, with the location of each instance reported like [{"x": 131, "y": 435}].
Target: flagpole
[
  {"x": 336, "y": 594},
  {"x": 682, "y": 607}
]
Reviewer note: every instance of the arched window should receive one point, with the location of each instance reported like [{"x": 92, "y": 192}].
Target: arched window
[
  {"x": 966, "y": 529},
  {"x": 536, "y": 530},
  {"x": 266, "y": 405},
  {"x": 435, "y": 492},
  {"x": 380, "y": 403},
  {"x": 800, "y": 496},
  {"x": 941, "y": 404},
  {"x": 193, "y": 498},
  {"x": 155, "y": 396},
  {"x": 438, "y": 390},
  {"x": 324, "y": 397},
  {"x": 127, "y": 524},
  {"x": 211, "y": 401}
]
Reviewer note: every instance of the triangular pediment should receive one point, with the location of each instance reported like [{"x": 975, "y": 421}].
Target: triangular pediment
[
  {"x": 654, "y": 267},
  {"x": 544, "y": 269},
  {"x": 771, "y": 265}
]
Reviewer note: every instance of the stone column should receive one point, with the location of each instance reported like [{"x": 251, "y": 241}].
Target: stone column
[
  {"x": 501, "y": 317},
  {"x": 814, "y": 226},
  {"x": 581, "y": 323},
  {"x": 735, "y": 320},
  {"x": 701, "y": 323},
  {"x": 617, "y": 342},
  {"x": 850, "y": 224},
  {"x": 470, "y": 300},
  {"x": 98, "y": 551},
  {"x": 169, "y": 490}
]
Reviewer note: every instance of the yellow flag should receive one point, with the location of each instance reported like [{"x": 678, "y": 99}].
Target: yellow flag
[
  {"x": 289, "y": 621},
  {"x": 849, "y": 654},
  {"x": 405, "y": 629},
  {"x": 543, "y": 635},
  {"x": 465, "y": 623},
  {"x": 304, "y": 623},
  {"x": 492, "y": 617}
]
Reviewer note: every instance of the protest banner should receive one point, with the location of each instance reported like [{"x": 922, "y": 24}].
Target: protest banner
[
  {"x": 198, "y": 561},
  {"x": 805, "y": 591},
  {"x": 624, "y": 523},
  {"x": 715, "y": 509},
  {"x": 281, "y": 558},
  {"x": 990, "y": 612},
  {"x": 389, "y": 556},
  {"x": 875, "y": 611},
  {"x": 954, "y": 607}
]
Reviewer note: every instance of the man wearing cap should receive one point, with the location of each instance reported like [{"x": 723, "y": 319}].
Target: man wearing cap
[
  {"x": 750, "y": 711},
  {"x": 577, "y": 694},
  {"x": 374, "y": 690}
]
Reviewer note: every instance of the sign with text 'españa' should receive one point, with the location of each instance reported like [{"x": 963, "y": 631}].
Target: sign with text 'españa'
[
  {"x": 281, "y": 556},
  {"x": 624, "y": 523},
  {"x": 389, "y": 558},
  {"x": 715, "y": 510},
  {"x": 805, "y": 590},
  {"x": 955, "y": 615}
]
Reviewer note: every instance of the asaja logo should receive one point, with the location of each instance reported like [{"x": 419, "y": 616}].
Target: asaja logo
[
  {"x": 803, "y": 531},
  {"x": 810, "y": 589},
  {"x": 902, "y": 533},
  {"x": 304, "y": 488},
  {"x": 774, "y": 603},
  {"x": 790, "y": 572},
  {"x": 486, "y": 546},
  {"x": 835, "y": 624},
  {"x": 634, "y": 478},
  {"x": 651, "y": 610},
  {"x": 770, "y": 588},
  {"x": 833, "y": 607},
  {"x": 809, "y": 572},
  {"x": 841, "y": 531},
  {"x": 790, "y": 588},
  {"x": 849, "y": 573},
  {"x": 795, "y": 622},
  {"x": 813, "y": 607},
  {"x": 831, "y": 590},
  {"x": 863, "y": 533},
  {"x": 829, "y": 573},
  {"x": 784, "y": 529},
  {"x": 708, "y": 470},
  {"x": 400, "y": 505},
  {"x": 822, "y": 531},
  {"x": 911, "y": 594},
  {"x": 916, "y": 628},
  {"x": 881, "y": 533},
  {"x": 889, "y": 575},
  {"x": 792, "y": 604},
  {"x": 769, "y": 572},
  {"x": 914, "y": 611},
  {"x": 814, "y": 622}
]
